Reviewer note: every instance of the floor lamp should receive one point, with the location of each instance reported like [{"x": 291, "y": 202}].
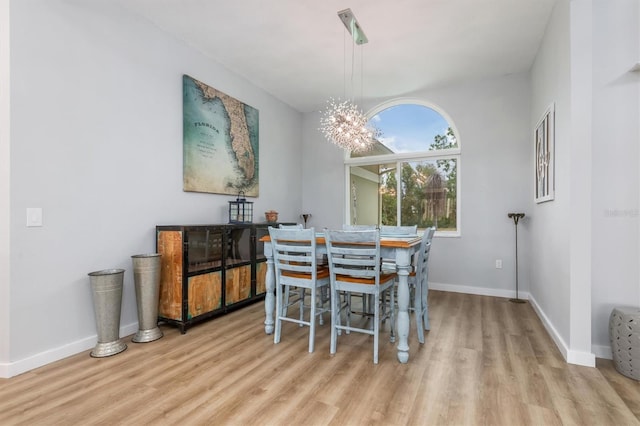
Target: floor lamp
[{"x": 516, "y": 217}]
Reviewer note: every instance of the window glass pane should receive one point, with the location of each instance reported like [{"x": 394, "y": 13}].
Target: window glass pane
[
  {"x": 364, "y": 192},
  {"x": 389, "y": 195},
  {"x": 410, "y": 128},
  {"x": 429, "y": 194},
  {"x": 416, "y": 182}
]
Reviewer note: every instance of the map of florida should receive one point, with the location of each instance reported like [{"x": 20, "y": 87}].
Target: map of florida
[{"x": 239, "y": 130}]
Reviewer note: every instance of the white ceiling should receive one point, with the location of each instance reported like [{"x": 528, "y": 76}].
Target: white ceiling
[{"x": 294, "y": 49}]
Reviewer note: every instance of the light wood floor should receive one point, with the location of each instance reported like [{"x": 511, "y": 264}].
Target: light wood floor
[{"x": 485, "y": 362}]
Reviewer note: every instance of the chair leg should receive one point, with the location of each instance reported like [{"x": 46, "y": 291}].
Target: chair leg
[
  {"x": 348, "y": 309},
  {"x": 425, "y": 301},
  {"x": 425, "y": 307},
  {"x": 312, "y": 319},
  {"x": 334, "y": 320},
  {"x": 392, "y": 308},
  {"x": 419, "y": 311},
  {"x": 279, "y": 313},
  {"x": 376, "y": 329},
  {"x": 321, "y": 303},
  {"x": 301, "y": 303},
  {"x": 285, "y": 306}
]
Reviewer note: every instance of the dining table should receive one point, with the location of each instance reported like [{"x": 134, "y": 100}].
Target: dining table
[{"x": 398, "y": 247}]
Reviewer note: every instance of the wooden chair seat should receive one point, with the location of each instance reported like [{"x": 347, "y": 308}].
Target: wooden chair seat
[
  {"x": 361, "y": 280},
  {"x": 322, "y": 272}
]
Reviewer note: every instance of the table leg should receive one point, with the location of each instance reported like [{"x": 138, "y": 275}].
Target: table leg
[
  {"x": 269, "y": 298},
  {"x": 403, "y": 265}
]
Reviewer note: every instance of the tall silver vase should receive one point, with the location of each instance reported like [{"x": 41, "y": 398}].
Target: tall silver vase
[
  {"x": 146, "y": 275},
  {"x": 107, "y": 303}
]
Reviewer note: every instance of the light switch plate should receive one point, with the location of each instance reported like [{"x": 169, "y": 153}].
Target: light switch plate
[{"x": 34, "y": 216}]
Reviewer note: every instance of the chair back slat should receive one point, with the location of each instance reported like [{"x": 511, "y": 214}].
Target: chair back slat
[
  {"x": 346, "y": 227},
  {"x": 354, "y": 253},
  {"x": 294, "y": 250},
  {"x": 296, "y": 226},
  {"x": 422, "y": 264},
  {"x": 399, "y": 230}
]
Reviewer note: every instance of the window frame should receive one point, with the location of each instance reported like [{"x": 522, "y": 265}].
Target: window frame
[{"x": 399, "y": 158}]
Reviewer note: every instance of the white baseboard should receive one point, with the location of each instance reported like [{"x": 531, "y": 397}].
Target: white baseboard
[
  {"x": 557, "y": 339},
  {"x": 586, "y": 359},
  {"x": 12, "y": 369},
  {"x": 602, "y": 351},
  {"x": 481, "y": 291}
]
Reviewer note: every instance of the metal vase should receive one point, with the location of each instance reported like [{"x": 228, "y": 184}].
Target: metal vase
[
  {"x": 146, "y": 275},
  {"x": 107, "y": 303}
]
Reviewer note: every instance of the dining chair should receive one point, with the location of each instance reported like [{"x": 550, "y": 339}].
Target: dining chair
[
  {"x": 347, "y": 227},
  {"x": 296, "y": 226},
  {"x": 419, "y": 281},
  {"x": 366, "y": 298},
  {"x": 354, "y": 267},
  {"x": 399, "y": 230},
  {"x": 294, "y": 258},
  {"x": 396, "y": 231},
  {"x": 288, "y": 292}
]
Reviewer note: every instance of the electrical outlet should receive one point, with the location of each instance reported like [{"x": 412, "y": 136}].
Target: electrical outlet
[
  {"x": 498, "y": 263},
  {"x": 34, "y": 216}
]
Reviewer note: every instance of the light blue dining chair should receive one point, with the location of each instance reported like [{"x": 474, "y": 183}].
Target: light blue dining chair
[
  {"x": 396, "y": 231},
  {"x": 321, "y": 260},
  {"x": 294, "y": 259},
  {"x": 418, "y": 277},
  {"x": 419, "y": 280},
  {"x": 296, "y": 226},
  {"x": 400, "y": 230},
  {"x": 354, "y": 267},
  {"x": 347, "y": 227},
  {"x": 366, "y": 298}
]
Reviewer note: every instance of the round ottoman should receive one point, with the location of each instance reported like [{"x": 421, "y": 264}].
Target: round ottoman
[{"x": 624, "y": 333}]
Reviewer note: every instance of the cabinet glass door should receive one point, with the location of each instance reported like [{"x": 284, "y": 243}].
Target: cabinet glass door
[
  {"x": 260, "y": 232},
  {"x": 204, "y": 249},
  {"x": 237, "y": 265},
  {"x": 238, "y": 247}
]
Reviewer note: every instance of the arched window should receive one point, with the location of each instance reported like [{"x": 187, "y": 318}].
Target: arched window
[{"x": 412, "y": 174}]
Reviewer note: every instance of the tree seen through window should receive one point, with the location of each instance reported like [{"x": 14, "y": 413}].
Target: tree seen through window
[{"x": 411, "y": 189}]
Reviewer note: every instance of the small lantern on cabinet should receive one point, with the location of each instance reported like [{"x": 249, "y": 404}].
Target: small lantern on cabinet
[{"x": 240, "y": 210}]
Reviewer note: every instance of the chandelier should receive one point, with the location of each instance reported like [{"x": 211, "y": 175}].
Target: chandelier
[{"x": 343, "y": 123}]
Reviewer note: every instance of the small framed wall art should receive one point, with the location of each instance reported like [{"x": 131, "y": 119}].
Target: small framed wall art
[{"x": 544, "y": 139}]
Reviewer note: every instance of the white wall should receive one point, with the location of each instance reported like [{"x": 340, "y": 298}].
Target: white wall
[
  {"x": 616, "y": 112},
  {"x": 96, "y": 141},
  {"x": 561, "y": 233},
  {"x": 591, "y": 229},
  {"x": 5, "y": 133},
  {"x": 550, "y": 220},
  {"x": 492, "y": 118}
]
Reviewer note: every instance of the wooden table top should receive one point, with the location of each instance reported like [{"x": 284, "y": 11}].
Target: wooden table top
[{"x": 395, "y": 241}]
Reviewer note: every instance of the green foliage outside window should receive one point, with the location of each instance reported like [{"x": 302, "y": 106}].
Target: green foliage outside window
[{"x": 428, "y": 190}]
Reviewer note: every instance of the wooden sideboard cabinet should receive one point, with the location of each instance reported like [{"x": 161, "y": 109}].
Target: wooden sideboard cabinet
[{"x": 209, "y": 270}]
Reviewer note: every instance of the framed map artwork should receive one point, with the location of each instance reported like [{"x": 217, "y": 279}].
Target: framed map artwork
[
  {"x": 220, "y": 141},
  {"x": 544, "y": 139}
]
